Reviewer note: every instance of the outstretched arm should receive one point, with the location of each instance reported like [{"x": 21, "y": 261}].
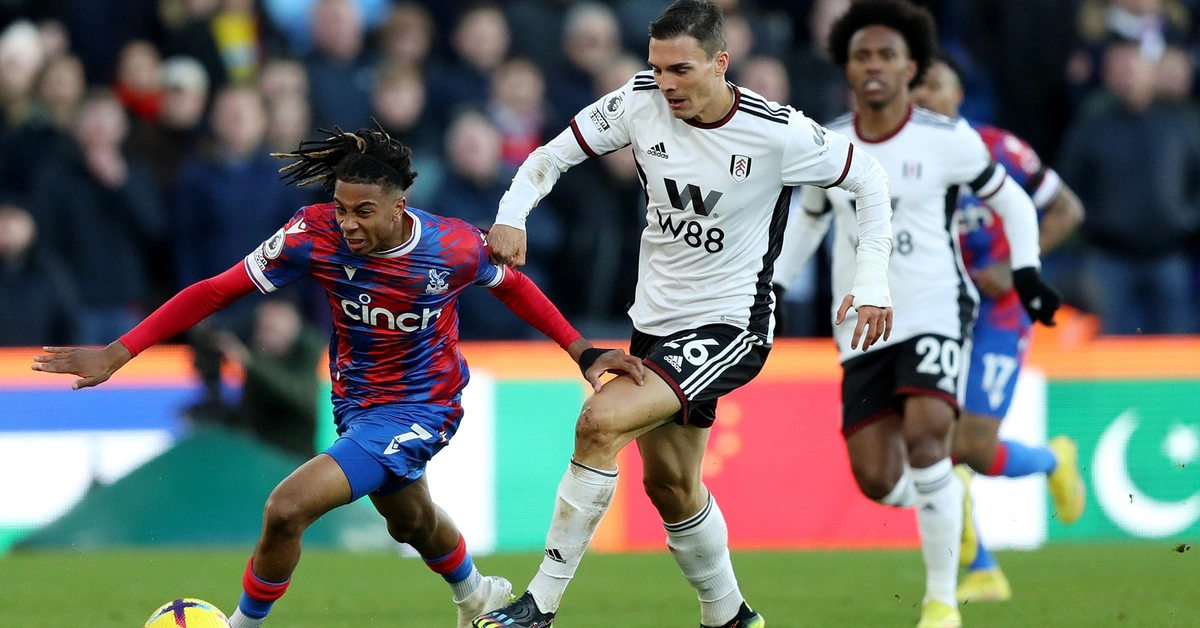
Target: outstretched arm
[
  {"x": 524, "y": 298},
  {"x": 192, "y": 305}
]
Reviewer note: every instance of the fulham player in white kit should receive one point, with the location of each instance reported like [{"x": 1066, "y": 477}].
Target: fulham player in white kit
[
  {"x": 900, "y": 399},
  {"x": 718, "y": 164}
]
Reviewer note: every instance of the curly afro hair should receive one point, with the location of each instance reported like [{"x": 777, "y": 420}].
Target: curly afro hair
[{"x": 915, "y": 24}]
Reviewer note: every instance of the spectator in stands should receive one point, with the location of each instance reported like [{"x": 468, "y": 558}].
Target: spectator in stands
[
  {"x": 739, "y": 39},
  {"x": 823, "y": 95},
  {"x": 139, "y": 80},
  {"x": 289, "y": 121},
  {"x": 293, "y": 19},
  {"x": 591, "y": 41},
  {"x": 242, "y": 37},
  {"x": 768, "y": 77},
  {"x": 38, "y": 299},
  {"x": 407, "y": 36},
  {"x": 1135, "y": 164},
  {"x": 60, "y": 91},
  {"x": 190, "y": 33},
  {"x": 98, "y": 210},
  {"x": 518, "y": 109},
  {"x": 170, "y": 140},
  {"x": 281, "y": 77},
  {"x": 231, "y": 201},
  {"x": 1151, "y": 25},
  {"x": 21, "y": 61},
  {"x": 1173, "y": 82},
  {"x": 54, "y": 38},
  {"x": 480, "y": 42},
  {"x": 474, "y": 183},
  {"x": 279, "y": 396},
  {"x": 399, "y": 105},
  {"x": 99, "y": 31},
  {"x": 27, "y": 138},
  {"x": 339, "y": 70}
]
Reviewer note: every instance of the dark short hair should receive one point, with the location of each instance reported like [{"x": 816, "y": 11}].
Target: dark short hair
[
  {"x": 915, "y": 24},
  {"x": 700, "y": 19},
  {"x": 951, "y": 63},
  {"x": 365, "y": 156}
]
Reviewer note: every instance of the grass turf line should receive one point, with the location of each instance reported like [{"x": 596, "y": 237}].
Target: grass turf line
[{"x": 1068, "y": 585}]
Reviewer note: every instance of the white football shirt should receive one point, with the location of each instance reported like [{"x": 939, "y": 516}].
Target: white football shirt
[
  {"x": 718, "y": 197},
  {"x": 927, "y": 159}
]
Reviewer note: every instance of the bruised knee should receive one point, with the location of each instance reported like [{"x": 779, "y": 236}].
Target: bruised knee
[{"x": 595, "y": 431}]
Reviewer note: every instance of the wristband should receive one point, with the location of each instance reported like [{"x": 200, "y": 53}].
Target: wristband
[{"x": 589, "y": 357}]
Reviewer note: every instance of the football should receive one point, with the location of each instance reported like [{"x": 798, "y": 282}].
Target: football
[{"x": 187, "y": 613}]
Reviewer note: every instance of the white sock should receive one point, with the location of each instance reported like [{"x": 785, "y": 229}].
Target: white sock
[
  {"x": 238, "y": 620},
  {"x": 940, "y": 519},
  {"x": 904, "y": 493},
  {"x": 583, "y": 497},
  {"x": 464, "y": 588},
  {"x": 700, "y": 545}
]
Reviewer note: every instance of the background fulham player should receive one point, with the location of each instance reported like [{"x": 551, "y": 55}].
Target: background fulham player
[
  {"x": 718, "y": 164},
  {"x": 901, "y": 399}
]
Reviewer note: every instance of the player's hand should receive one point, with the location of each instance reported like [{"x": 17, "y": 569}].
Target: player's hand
[
  {"x": 93, "y": 366},
  {"x": 507, "y": 245},
  {"x": 616, "y": 362},
  {"x": 874, "y": 323},
  {"x": 1039, "y": 299}
]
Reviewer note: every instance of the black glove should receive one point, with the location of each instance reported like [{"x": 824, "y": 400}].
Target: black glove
[
  {"x": 781, "y": 319},
  {"x": 1039, "y": 299}
]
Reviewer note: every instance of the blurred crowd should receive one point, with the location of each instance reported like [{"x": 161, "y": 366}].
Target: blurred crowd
[{"x": 135, "y": 141}]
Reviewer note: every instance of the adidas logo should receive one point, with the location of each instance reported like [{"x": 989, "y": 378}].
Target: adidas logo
[
  {"x": 947, "y": 384},
  {"x": 675, "y": 361},
  {"x": 555, "y": 556},
  {"x": 658, "y": 150}
]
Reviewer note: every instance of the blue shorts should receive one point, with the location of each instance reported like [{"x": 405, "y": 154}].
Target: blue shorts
[
  {"x": 382, "y": 449},
  {"x": 996, "y": 358}
]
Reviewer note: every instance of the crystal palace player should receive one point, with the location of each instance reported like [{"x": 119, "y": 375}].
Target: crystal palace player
[
  {"x": 393, "y": 274},
  {"x": 900, "y": 400},
  {"x": 1001, "y": 334},
  {"x": 718, "y": 163}
]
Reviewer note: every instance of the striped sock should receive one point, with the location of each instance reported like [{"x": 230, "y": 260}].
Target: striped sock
[
  {"x": 258, "y": 596},
  {"x": 940, "y": 521},
  {"x": 458, "y": 569},
  {"x": 700, "y": 545}
]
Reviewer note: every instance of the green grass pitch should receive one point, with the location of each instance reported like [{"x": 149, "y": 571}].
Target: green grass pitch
[{"x": 1149, "y": 585}]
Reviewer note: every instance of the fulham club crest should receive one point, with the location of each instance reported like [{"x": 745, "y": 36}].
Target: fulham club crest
[{"x": 739, "y": 167}]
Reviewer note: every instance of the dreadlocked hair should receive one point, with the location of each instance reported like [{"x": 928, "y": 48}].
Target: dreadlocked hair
[{"x": 365, "y": 156}]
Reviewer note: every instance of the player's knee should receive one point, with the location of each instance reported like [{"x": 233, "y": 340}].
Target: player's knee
[
  {"x": 409, "y": 531},
  {"x": 594, "y": 429},
  {"x": 875, "y": 481},
  {"x": 670, "y": 494},
  {"x": 285, "y": 516}
]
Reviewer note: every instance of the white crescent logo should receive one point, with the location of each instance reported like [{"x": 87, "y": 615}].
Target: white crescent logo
[{"x": 1121, "y": 499}]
